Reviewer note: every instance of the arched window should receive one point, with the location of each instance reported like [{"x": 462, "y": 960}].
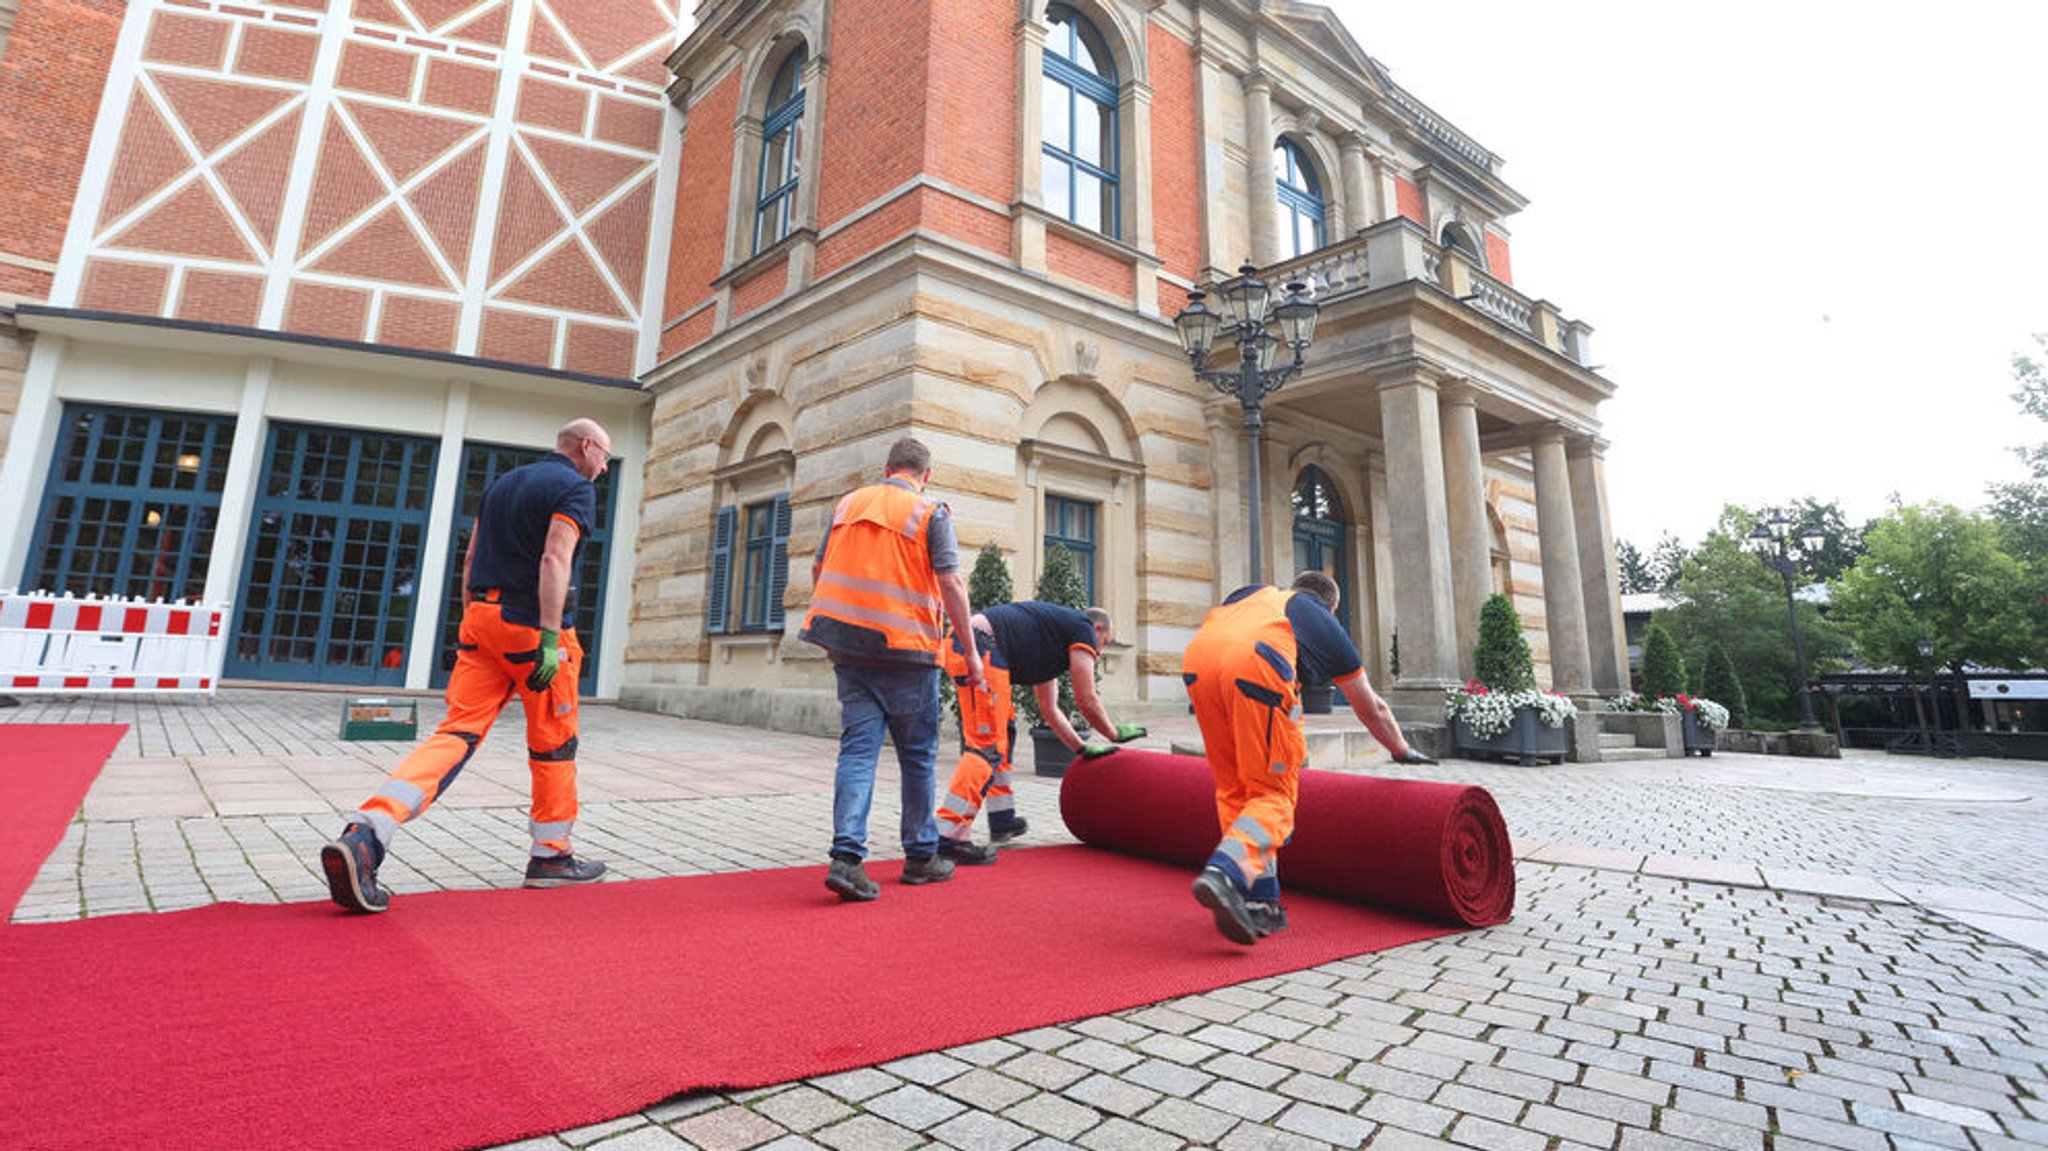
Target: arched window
[
  {"x": 1455, "y": 235},
  {"x": 1080, "y": 130},
  {"x": 781, "y": 125},
  {"x": 1319, "y": 532},
  {"x": 1300, "y": 202}
]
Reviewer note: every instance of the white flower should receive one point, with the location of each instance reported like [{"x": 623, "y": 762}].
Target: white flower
[{"x": 1489, "y": 713}]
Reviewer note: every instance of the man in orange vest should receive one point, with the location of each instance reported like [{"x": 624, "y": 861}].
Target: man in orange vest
[
  {"x": 518, "y": 637},
  {"x": 1243, "y": 671},
  {"x": 1027, "y": 643},
  {"x": 886, "y": 574}
]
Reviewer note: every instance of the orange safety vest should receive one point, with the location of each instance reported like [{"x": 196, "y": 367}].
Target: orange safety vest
[{"x": 877, "y": 599}]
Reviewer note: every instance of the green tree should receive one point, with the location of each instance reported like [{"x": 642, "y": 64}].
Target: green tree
[
  {"x": 2021, "y": 509},
  {"x": 1667, "y": 560},
  {"x": 1935, "y": 572},
  {"x": 1632, "y": 569},
  {"x": 1720, "y": 683},
  {"x": 1663, "y": 667},
  {"x": 1726, "y": 594},
  {"x": 989, "y": 582},
  {"x": 1059, "y": 583},
  {"x": 1500, "y": 656}
]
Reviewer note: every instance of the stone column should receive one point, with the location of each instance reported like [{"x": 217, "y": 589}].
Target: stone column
[
  {"x": 1028, "y": 228},
  {"x": 1420, "y": 531},
  {"x": 1261, "y": 184},
  {"x": 1599, "y": 576},
  {"x": 1564, "y": 603},
  {"x": 1225, "y": 425},
  {"x": 1465, "y": 500},
  {"x": 1359, "y": 194}
]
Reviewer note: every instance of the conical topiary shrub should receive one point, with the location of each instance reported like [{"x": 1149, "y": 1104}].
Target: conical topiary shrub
[
  {"x": 1663, "y": 667},
  {"x": 1723, "y": 686},
  {"x": 1501, "y": 658}
]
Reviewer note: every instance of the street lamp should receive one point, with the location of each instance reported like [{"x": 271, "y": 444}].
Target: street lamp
[
  {"x": 1252, "y": 325},
  {"x": 1771, "y": 540},
  {"x": 1926, "y": 649}
]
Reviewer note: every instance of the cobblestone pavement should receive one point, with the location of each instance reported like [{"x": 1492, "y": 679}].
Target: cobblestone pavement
[{"x": 1741, "y": 953}]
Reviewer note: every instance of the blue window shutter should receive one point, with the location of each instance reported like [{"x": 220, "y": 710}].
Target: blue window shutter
[
  {"x": 778, "y": 563},
  {"x": 721, "y": 571}
]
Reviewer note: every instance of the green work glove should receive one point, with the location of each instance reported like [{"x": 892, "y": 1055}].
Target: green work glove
[
  {"x": 1095, "y": 750},
  {"x": 547, "y": 660},
  {"x": 1413, "y": 756},
  {"x": 1126, "y": 732}
]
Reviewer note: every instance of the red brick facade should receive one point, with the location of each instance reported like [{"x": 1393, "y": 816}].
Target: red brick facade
[
  {"x": 220, "y": 128},
  {"x": 1408, "y": 200},
  {"x": 1497, "y": 261},
  {"x": 51, "y": 78}
]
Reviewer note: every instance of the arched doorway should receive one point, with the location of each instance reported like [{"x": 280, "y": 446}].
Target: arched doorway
[{"x": 1320, "y": 545}]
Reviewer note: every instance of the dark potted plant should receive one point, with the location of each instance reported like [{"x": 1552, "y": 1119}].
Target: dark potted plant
[
  {"x": 1499, "y": 712},
  {"x": 1059, "y": 583}
]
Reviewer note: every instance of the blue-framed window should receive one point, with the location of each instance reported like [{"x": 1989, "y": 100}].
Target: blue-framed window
[
  {"x": 1300, "y": 201},
  {"x": 330, "y": 582},
  {"x": 1080, "y": 128},
  {"x": 1072, "y": 522},
  {"x": 481, "y": 464},
  {"x": 131, "y": 503},
  {"x": 763, "y": 562},
  {"x": 781, "y": 148}
]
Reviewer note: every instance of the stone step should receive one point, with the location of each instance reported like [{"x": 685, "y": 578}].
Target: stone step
[
  {"x": 1328, "y": 748},
  {"x": 1623, "y": 754}
]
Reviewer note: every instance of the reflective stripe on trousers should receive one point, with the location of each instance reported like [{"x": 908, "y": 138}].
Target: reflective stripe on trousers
[{"x": 485, "y": 678}]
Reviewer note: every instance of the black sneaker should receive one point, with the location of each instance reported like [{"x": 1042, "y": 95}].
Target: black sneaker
[
  {"x": 1008, "y": 832},
  {"x": 557, "y": 870},
  {"x": 1214, "y": 891},
  {"x": 965, "y": 853},
  {"x": 1267, "y": 918},
  {"x": 350, "y": 864},
  {"x": 930, "y": 869},
  {"x": 849, "y": 881}
]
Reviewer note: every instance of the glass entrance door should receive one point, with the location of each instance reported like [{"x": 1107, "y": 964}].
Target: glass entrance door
[{"x": 328, "y": 590}]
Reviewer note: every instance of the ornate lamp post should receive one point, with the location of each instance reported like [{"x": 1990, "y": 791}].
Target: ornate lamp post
[
  {"x": 1926, "y": 649},
  {"x": 1771, "y": 540},
  {"x": 1259, "y": 332}
]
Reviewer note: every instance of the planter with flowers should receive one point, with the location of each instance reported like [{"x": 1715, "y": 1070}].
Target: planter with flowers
[
  {"x": 1701, "y": 720},
  {"x": 1525, "y": 726},
  {"x": 1499, "y": 712}
]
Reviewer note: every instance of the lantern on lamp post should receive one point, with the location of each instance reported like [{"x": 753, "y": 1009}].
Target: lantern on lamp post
[{"x": 1260, "y": 328}]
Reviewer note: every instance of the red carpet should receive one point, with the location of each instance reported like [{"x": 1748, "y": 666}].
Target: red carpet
[
  {"x": 1438, "y": 850},
  {"x": 464, "y": 1019},
  {"x": 45, "y": 769},
  {"x": 461, "y": 1019}
]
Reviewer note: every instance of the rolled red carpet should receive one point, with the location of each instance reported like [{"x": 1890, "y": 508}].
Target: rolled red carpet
[{"x": 1434, "y": 849}]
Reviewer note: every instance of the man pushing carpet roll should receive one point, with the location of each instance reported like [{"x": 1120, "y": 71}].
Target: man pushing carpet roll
[
  {"x": 1027, "y": 643},
  {"x": 1241, "y": 675}
]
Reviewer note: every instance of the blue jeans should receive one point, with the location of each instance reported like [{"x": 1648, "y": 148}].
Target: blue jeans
[{"x": 904, "y": 701}]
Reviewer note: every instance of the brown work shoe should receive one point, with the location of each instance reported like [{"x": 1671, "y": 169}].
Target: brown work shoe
[
  {"x": 930, "y": 869},
  {"x": 849, "y": 881}
]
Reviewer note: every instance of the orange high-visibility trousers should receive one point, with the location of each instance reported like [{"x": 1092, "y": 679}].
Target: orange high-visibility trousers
[
  {"x": 492, "y": 660},
  {"x": 988, "y": 726},
  {"x": 1250, "y": 718}
]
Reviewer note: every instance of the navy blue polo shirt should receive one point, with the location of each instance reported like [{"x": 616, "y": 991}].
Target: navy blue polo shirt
[
  {"x": 1325, "y": 654},
  {"x": 1035, "y": 638},
  {"x": 512, "y": 534}
]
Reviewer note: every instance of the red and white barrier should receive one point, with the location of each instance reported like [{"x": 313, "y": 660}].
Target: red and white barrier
[{"x": 59, "y": 645}]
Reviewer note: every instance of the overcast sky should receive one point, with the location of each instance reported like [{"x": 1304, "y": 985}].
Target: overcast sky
[{"x": 1809, "y": 234}]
